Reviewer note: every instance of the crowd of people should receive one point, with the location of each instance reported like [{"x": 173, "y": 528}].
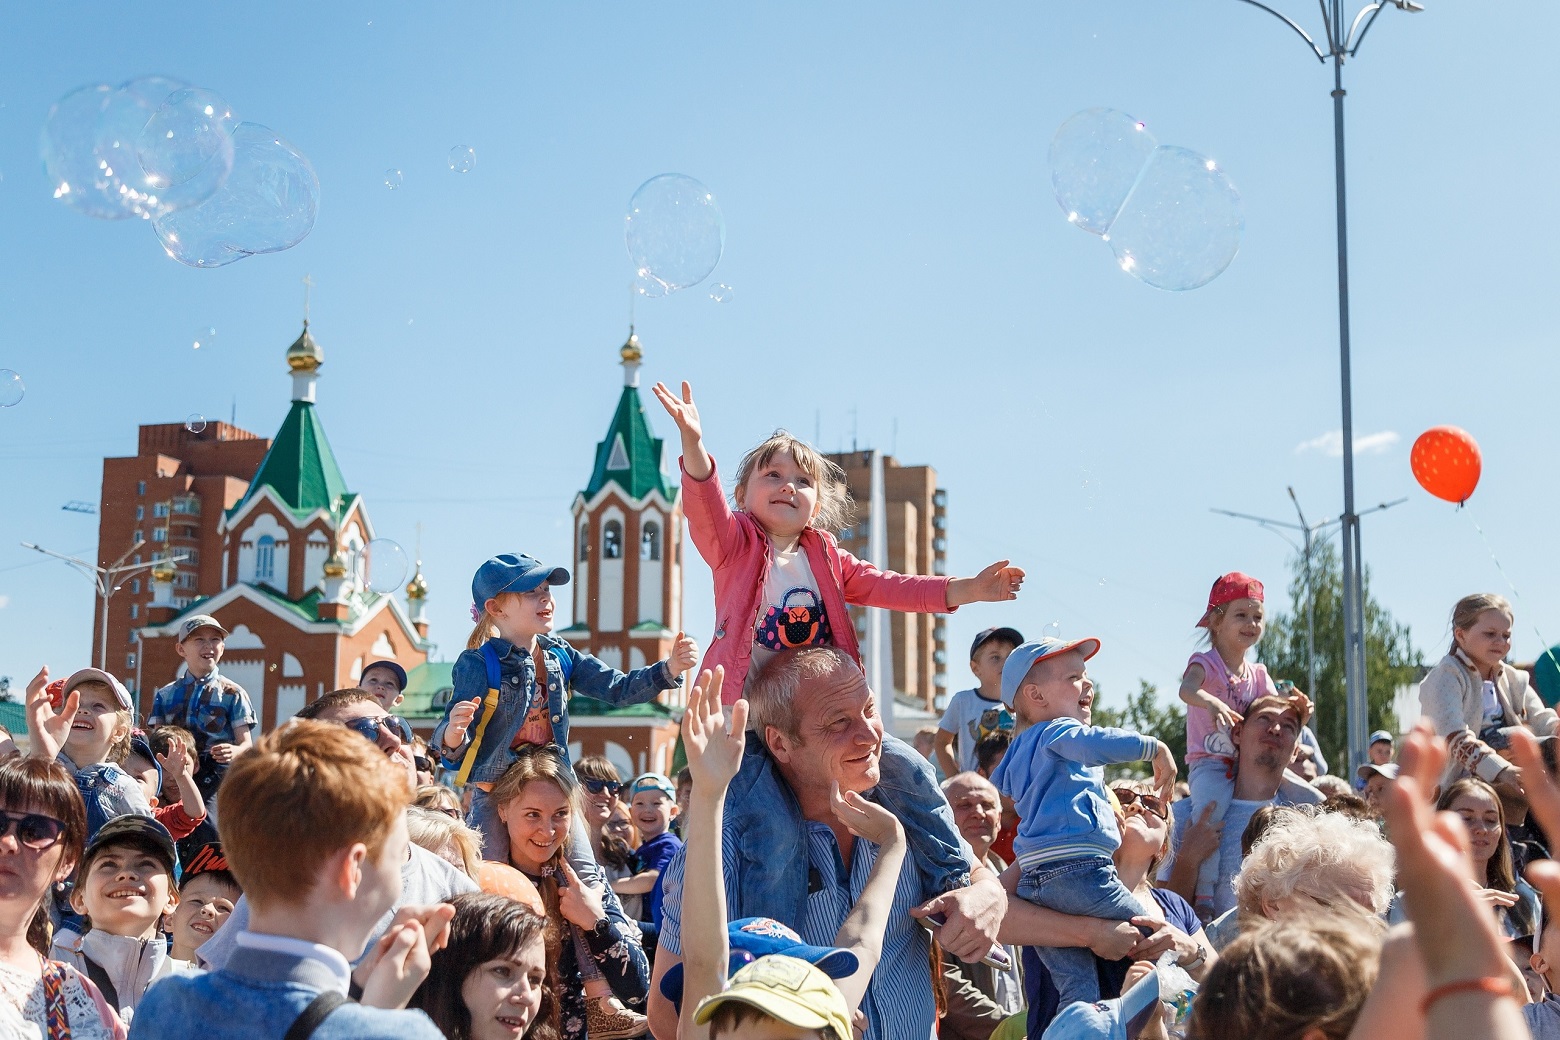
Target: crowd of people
[{"x": 1019, "y": 872}]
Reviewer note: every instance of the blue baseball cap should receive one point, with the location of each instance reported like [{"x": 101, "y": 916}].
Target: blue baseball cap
[
  {"x": 1021, "y": 660},
  {"x": 1121, "y": 1018},
  {"x": 513, "y": 572},
  {"x": 755, "y": 937},
  {"x": 400, "y": 673}
]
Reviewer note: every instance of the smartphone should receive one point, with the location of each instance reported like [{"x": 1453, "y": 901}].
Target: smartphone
[{"x": 996, "y": 957}]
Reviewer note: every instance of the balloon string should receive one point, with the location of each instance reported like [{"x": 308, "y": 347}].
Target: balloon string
[{"x": 1548, "y": 650}]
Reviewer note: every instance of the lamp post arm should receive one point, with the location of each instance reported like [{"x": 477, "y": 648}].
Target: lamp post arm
[
  {"x": 1367, "y": 15},
  {"x": 1321, "y": 57}
]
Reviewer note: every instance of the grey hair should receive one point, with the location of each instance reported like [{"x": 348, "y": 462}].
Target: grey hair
[{"x": 772, "y": 692}]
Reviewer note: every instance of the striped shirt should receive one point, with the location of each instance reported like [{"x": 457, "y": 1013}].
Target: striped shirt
[{"x": 898, "y": 1004}]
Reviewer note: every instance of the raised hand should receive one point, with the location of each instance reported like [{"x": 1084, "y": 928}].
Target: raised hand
[
  {"x": 997, "y": 583},
  {"x": 49, "y": 727},
  {"x": 399, "y": 962},
  {"x": 714, "y": 749},
  {"x": 864, "y": 818},
  {"x": 685, "y": 654},
  {"x": 460, "y": 721},
  {"x": 177, "y": 761},
  {"x": 682, "y": 410}
]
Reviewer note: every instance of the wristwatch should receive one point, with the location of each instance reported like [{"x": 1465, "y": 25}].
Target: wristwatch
[{"x": 1202, "y": 955}]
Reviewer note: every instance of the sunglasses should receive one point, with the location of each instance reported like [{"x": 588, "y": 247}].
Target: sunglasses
[
  {"x": 370, "y": 727},
  {"x": 612, "y": 787},
  {"x": 1152, "y": 802},
  {"x": 422, "y": 764},
  {"x": 34, "y": 830}
]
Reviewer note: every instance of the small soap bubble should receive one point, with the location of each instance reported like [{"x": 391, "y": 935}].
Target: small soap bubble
[
  {"x": 1095, "y": 159},
  {"x": 1053, "y": 630},
  {"x": 380, "y": 566},
  {"x": 186, "y": 147},
  {"x": 648, "y": 287},
  {"x": 1182, "y": 224},
  {"x": 1102, "y": 581},
  {"x": 463, "y": 158},
  {"x": 12, "y": 389},
  {"x": 195, "y": 423},
  {"x": 393, "y": 179},
  {"x": 723, "y": 293},
  {"x": 267, "y": 204},
  {"x": 674, "y": 231},
  {"x": 205, "y": 337}
]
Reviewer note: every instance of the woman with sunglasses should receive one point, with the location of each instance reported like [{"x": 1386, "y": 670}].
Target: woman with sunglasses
[{"x": 43, "y": 828}]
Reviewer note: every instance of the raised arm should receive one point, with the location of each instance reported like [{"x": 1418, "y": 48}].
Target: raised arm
[
  {"x": 862, "y": 932},
  {"x": 696, "y": 460}
]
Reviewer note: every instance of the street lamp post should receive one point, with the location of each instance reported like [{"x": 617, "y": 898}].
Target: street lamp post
[
  {"x": 107, "y": 581},
  {"x": 1342, "y": 43}
]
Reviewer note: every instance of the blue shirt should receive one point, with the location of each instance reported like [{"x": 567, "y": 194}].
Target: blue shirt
[
  {"x": 655, "y": 854},
  {"x": 1052, "y": 772},
  {"x": 210, "y": 708},
  {"x": 898, "y": 1003}
]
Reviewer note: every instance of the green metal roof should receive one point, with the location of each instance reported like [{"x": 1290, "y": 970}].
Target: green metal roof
[
  {"x": 423, "y": 683},
  {"x": 13, "y": 717},
  {"x": 630, "y": 457},
  {"x": 300, "y": 467},
  {"x": 582, "y": 706}
]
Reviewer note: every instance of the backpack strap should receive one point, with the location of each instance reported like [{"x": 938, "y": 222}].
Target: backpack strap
[
  {"x": 99, "y": 976},
  {"x": 489, "y": 706},
  {"x": 565, "y": 663},
  {"x": 314, "y": 1015}
]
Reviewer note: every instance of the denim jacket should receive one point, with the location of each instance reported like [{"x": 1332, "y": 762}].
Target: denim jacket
[
  {"x": 517, "y": 673},
  {"x": 763, "y": 811},
  {"x": 107, "y": 790}
]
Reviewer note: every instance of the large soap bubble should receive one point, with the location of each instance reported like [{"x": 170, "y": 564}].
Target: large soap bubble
[
  {"x": 186, "y": 148},
  {"x": 1096, "y": 157},
  {"x": 268, "y": 203},
  {"x": 1182, "y": 224},
  {"x": 380, "y": 566},
  {"x": 675, "y": 232},
  {"x": 12, "y": 389},
  {"x": 88, "y": 148}
]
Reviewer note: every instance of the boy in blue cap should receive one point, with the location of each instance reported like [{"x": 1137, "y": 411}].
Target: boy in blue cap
[
  {"x": 1067, "y": 831},
  {"x": 511, "y": 681}
]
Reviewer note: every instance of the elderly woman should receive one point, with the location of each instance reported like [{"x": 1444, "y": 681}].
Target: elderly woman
[{"x": 1328, "y": 863}]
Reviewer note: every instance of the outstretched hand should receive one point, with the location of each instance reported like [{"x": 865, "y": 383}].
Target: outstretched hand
[
  {"x": 49, "y": 726},
  {"x": 864, "y": 818},
  {"x": 685, "y": 654},
  {"x": 996, "y": 584},
  {"x": 713, "y": 747},
  {"x": 682, "y": 409}
]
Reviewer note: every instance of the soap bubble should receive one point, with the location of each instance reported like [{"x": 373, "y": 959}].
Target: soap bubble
[
  {"x": 186, "y": 148},
  {"x": 195, "y": 423},
  {"x": 12, "y": 389},
  {"x": 393, "y": 179},
  {"x": 723, "y": 293},
  {"x": 88, "y": 147},
  {"x": 649, "y": 287},
  {"x": 1095, "y": 158},
  {"x": 380, "y": 566},
  {"x": 463, "y": 158},
  {"x": 267, "y": 204},
  {"x": 675, "y": 232},
  {"x": 205, "y": 336},
  {"x": 1182, "y": 224},
  {"x": 1053, "y": 630}
]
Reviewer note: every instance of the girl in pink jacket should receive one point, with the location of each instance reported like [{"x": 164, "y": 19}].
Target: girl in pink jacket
[{"x": 781, "y": 579}]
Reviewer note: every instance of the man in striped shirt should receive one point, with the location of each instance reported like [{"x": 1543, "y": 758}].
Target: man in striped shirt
[{"x": 814, "y": 718}]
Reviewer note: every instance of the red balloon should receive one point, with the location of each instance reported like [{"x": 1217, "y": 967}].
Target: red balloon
[{"x": 1447, "y": 463}]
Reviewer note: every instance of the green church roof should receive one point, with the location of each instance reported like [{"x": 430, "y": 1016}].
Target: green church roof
[
  {"x": 630, "y": 457},
  {"x": 300, "y": 468}
]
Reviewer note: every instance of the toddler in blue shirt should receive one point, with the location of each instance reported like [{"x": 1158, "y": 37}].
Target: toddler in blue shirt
[{"x": 1053, "y": 771}]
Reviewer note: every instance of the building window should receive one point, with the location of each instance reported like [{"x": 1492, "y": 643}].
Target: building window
[
  {"x": 159, "y": 534},
  {"x": 130, "y": 661},
  {"x": 940, "y": 522},
  {"x": 939, "y": 497},
  {"x": 159, "y": 509},
  {"x": 140, "y": 487},
  {"x": 847, "y": 534},
  {"x": 940, "y": 544},
  {"x": 136, "y": 559},
  {"x": 135, "y": 586},
  {"x": 140, "y": 535},
  {"x": 584, "y": 541},
  {"x": 265, "y": 558},
  {"x": 140, "y": 513},
  {"x": 135, "y": 611},
  {"x": 189, "y": 505},
  {"x": 650, "y": 541},
  {"x": 611, "y": 540},
  {"x": 193, "y": 557}
]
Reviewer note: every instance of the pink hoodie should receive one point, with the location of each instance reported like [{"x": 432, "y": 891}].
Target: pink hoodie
[{"x": 738, "y": 551}]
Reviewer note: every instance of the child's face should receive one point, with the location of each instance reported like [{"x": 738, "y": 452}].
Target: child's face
[
  {"x": 1239, "y": 628},
  {"x": 145, "y": 774},
  {"x": 1381, "y": 752},
  {"x": 125, "y": 890},
  {"x": 382, "y": 683},
  {"x": 204, "y": 904},
  {"x": 653, "y": 812},
  {"x": 201, "y": 650},
  {"x": 1488, "y": 640},
  {"x": 503, "y": 995},
  {"x": 97, "y": 726},
  {"x": 1058, "y": 688},
  {"x": 521, "y": 615},
  {"x": 988, "y": 661},
  {"x": 781, "y": 496}
]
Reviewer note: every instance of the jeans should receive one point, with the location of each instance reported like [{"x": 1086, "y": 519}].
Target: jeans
[
  {"x": 1085, "y": 887},
  {"x": 1212, "y": 784},
  {"x": 773, "y": 847}
]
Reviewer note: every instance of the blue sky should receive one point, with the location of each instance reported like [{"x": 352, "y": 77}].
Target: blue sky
[{"x": 901, "y": 273}]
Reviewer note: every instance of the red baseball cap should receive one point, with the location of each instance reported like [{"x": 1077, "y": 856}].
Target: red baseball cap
[{"x": 1228, "y": 589}]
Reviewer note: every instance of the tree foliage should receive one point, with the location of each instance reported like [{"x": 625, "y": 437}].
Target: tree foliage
[
  {"x": 1143, "y": 714},
  {"x": 1391, "y": 661}
]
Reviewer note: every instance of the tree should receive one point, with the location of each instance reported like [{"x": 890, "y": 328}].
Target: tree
[
  {"x": 1391, "y": 661},
  {"x": 1144, "y": 715}
]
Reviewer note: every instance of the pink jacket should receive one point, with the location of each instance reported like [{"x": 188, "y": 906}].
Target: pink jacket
[{"x": 737, "y": 550}]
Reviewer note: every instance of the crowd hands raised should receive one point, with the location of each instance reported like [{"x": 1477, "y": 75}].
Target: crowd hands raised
[{"x": 807, "y": 875}]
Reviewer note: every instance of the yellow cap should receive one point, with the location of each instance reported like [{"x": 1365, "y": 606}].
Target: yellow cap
[{"x": 786, "y": 988}]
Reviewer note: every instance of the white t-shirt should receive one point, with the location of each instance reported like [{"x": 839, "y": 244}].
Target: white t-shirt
[
  {"x": 970, "y": 718},
  {"x": 791, "y": 612},
  {"x": 1492, "y": 711}
]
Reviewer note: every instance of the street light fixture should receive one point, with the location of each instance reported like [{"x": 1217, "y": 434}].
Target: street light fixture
[{"x": 1343, "y": 43}]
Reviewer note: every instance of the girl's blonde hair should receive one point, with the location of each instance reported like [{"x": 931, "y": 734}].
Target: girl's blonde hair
[
  {"x": 435, "y": 831},
  {"x": 1466, "y": 613},
  {"x": 834, "y": 503}
]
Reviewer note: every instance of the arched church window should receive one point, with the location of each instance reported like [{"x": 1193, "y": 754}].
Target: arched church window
[
  {"x": 650, "y": 541},
  {"x": 584, "y": 541},
  {"x": 611, "y": 540},
  {"x": 265, "y": 558}
]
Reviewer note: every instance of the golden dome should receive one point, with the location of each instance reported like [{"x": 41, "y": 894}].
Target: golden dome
[
  {"x": 335, "y": 567},
  {"x": 417, "y": 588},
  {"x": 164, "y": 570},
  {"x": 631, "y": 351},
  {"x": 305, "y": 355}
]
